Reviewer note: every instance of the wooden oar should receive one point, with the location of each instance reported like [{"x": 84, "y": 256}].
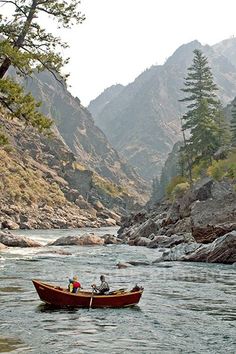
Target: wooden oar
[{"x": 91, "y": 300}]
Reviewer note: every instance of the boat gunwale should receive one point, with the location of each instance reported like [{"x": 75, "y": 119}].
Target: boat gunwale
[{"x": 84, "y": 294}]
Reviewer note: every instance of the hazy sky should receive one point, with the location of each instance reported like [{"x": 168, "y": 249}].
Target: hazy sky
[{"x": 121, "y": 38}]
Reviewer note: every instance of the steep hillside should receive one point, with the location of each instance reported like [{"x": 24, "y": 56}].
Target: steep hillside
[
  {"x": 76, "y": 127},
  {"x": 43, "y": 185},
  {"x": 142, "y": 121}
]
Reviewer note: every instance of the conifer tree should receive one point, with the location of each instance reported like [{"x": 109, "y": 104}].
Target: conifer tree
[
  {"x": 233, "y": 125},
  {"x": 223, "y": 126},
  {"x": 29, "y": 47},
  {"x": 156, "y": 189},
  {"x": 203, "y": 119},
  {"x": 26, "y": 38}
]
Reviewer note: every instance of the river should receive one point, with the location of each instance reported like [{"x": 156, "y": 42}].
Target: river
[{"x": 185, "y": 308}]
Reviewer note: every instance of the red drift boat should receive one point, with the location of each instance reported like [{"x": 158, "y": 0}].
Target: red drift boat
[{"x": 59, "y": 297}]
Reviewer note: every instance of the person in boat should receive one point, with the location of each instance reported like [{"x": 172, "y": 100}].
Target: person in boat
[
  {"x": 74, "y": 285},
  {"x": 103, "y": 288}
]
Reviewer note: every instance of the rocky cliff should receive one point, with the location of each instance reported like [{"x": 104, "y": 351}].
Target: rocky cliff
[
  {"x": 142, "y": 120},
  {"x": 43, "y": 185},
  {"x": 75, "y": 126}
]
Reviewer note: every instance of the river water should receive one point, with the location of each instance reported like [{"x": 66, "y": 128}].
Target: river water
[{"x": 185, "y": 308}]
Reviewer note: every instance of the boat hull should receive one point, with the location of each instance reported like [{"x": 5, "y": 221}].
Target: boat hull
[{"x": 59, "y": 297}]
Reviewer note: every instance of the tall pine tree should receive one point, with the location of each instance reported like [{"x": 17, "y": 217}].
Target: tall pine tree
[{"x": 203, "y": 119}]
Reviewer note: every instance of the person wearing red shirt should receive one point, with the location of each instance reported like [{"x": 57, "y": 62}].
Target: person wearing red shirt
[{"x": 74, "y": 285}]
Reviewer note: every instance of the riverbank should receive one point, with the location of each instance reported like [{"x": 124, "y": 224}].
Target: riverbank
[
  {"x": 199, "y": 226},
  {"x": 61, "y": 216}
]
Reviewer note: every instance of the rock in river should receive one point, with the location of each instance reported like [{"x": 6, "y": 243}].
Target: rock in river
[
  {"x": 121, "y": 265},
  {"x": 111, "y": 239},
  {"x": 8, "y": 239},
  {"x": 84, "y": 240},
  {"x": 2, "y": 247},
  {"x": 59, "y": 252},
  {"x": 178, "y": 252}
]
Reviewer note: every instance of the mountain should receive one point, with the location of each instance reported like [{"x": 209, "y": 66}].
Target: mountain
[
  {"x": 142, "y": 121},
  {"x": 75, "y": 126},
  {"x": 42, "y": 185},
  {"x": 227, "y": 48},
  {"x": 105, "y": 97}
]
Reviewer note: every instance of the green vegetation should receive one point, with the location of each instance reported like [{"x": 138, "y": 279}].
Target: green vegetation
[
  {"x": 205, "y": 134},
  {"x": 199, "y": 170},
  {"x": 3, "y": 138},
  {"x": 180, "y": 189},
  {"x": 28, "y": 47},
  {"x": 204, "y": 120},
  {"x": 108, "y": 187},
  {"x": 22, "y": 106},
  {"x": 175, "y": 181},
  {"x": 223, "y": 168}
]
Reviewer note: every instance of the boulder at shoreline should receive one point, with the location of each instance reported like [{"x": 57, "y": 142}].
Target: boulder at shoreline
[
  {"x": 222, "y": 250},
  {"x": 10, "y": 240}
]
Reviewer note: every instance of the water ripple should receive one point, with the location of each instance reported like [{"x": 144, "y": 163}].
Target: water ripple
[{"x": 186, "y": 307}]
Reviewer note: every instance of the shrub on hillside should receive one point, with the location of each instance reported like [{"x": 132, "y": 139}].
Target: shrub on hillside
[
  {"x": 173, "y": 183},
  {"x": 223, "y": 168},
  {"x": 199, "y": 170},
  {"x": 3, "y": 139},
  {"x": 180, "y": 189},
  {"x": 108, "y": 187},
  {"x": 21, "y": 184}
]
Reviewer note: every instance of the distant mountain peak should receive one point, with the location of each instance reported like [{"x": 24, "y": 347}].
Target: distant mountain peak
[
  {"x": 106, "y": 97},
  {"x": 184, "y": 52}
]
